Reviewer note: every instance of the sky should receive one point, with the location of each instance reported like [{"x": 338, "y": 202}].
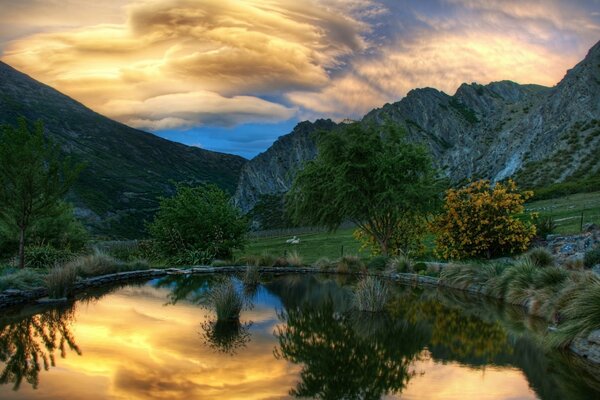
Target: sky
[{"x": 232, "y": 76}]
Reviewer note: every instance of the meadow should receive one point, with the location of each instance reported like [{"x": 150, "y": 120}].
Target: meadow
[{"x": 566, "y": 211}]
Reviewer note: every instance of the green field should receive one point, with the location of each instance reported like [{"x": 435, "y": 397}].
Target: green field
[{"x": 565, "y": 210}]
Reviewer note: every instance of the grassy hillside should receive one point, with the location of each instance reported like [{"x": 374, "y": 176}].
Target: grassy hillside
[
  {"x": 565, "y": 210},
  {"x": 126, "y": 169}
]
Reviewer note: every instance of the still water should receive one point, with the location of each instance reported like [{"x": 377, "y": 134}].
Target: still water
[{"x": 297, "y": 337}]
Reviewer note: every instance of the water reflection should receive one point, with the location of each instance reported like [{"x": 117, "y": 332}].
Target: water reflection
[
  {"x": 154, "y": 340},
  {"x": 28, "y": 343},
  {"x": 348, "y": 355}
]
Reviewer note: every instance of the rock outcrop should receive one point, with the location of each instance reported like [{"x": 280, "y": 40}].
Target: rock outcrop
[{"x": 536, "y": 134}]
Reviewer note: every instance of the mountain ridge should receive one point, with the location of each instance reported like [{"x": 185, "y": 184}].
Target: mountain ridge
[
  {"x": 126, "y": 169},
  {"x": 535, "y": 134}
]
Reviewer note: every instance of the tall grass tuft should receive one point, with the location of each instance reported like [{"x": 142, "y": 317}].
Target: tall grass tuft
[
  {"x": 581, "y": 315},
  {"x": 226, "y": 301},
  {"x": 401, "y": 264},
  {"x": 294, "y": 259},
  {"x": 371, "y": 294},
  {"x": 350, "y": 264},
  {"x": 60, "y": 281},
  {"x": 101, "y": 263},
  {"x": 540, "y": 256},
  {"x": 251, "y": 276},
  {"x": 22, "y": 279},
  {"x": 324, "y": 264}
]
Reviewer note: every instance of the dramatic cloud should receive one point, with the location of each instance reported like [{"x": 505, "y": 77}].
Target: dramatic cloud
[{"x": 203, "y": 64}]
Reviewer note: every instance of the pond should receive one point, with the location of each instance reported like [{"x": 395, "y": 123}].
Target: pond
[{"x": 297, "y": 337}]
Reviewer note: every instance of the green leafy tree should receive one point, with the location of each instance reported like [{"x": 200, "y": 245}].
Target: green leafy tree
[
  {"x": 368, "y": 175},
  {"x": 34, "y": 178},
  {"x": 198, "y": 219}
]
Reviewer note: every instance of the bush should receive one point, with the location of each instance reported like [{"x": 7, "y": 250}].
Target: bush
[
  {"x": 45, "y": 256},
  {"x": 407, "y": 238},
  {"x": 545, "y": 226},
  {"x": 60, "y": 281},
  {"x": 324, "y": 263},
  {"x": 378, "y": 263},
  {"x": 592, "y": 258},
  {"x": 294, "y": 259},
  {"x": 481, "y": 221},
  {"x": 350, "y": 264},
  {"x": 371, "y": 294},
  {"x": 401, "y": 264},
  {"x": 192, "y": 257},
  {"x": 22, "y": 279},
  {"x": 197, "y": 221},
  {"x": 540, "y": 256},
  {"x": 419, "y": 267},
  {"x": 226, "y": 301}
]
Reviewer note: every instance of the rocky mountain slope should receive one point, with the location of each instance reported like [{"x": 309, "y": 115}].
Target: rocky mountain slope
[
  {"x": 535, "y": 134},
  {"x": 126, "y": 169}
]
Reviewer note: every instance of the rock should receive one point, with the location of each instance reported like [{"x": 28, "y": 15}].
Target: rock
[
  {"x": 590, "y": 227},
  {"x": 588, "y": 347}
]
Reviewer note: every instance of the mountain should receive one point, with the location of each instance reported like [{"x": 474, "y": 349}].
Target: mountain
[
  {"x": 535, "y": 134},
  {"x": 126, "y": 169}
]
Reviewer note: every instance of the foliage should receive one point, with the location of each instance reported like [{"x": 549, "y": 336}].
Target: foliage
[
  {"x": 592, "y": 258},
  {"x": 364, "y": 352},
  {"x": 101, "y": 263},
  {"x": 350, "y": 264},
  {"x": 481, "y": 221},
  {"x": 60, "y": 281},
  {"x": 407, "y": 237},
  {"x": 226, "y": 301},
  {"x": 540, "y": 256},
  {"x": 371, "y": 294},
  {"x": 22, "y": 279},
  {"x": 586, "y": 185},
  {"x": 368, "y": 175},
  {"x": 401, "y": 264},
  {"x": 270, "y": 213},
  {"x": 545, "y": 226},
  {"x": 45, "y": 256},
  {"x": 378, "y": 263},
  {"x": 34, "y": 178},
  {"x": 197, "y": 222}
]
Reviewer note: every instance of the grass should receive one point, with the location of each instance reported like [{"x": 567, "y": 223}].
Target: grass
[
  {"x": 566, "y": 211},
  {"x": 226, "y": 301},
  {"x": 60, "y": 281},
  {"x": 23, "y": 279},
  {"x": 251, "y": 276},
  {"x": 312, "y": 246},
  {"x": 371, "y": 294}
]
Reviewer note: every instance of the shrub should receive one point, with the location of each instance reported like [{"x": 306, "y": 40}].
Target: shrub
[
  {"x": 378, "y": 263},
  {"x": 45, "y": 256},
  {"x": 540, "y": 256},
  {"x": 592, "y": 258},
  {"x": 349, "y": 264},
  {"x": 60, "y": 281},
  {"x": 199, "y": 219},
  {"x": 226, "y": 300},
  {"x": 481, "y": 221},
  {"x": 293, "y": 259},
  {"x": 192, "y": 257},
  {"x": 324, "y": 263},
  {"x": 545, "y": 226},
  {"x": 401, "y": 264},
  {"x": 23, "y": 279},
  {"x": 371, "y": 294},
  {"x": 419, "y": 267}
]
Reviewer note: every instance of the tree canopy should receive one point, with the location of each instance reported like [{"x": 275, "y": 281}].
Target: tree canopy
[
  {"x": 369, "y": 175},
  {"x": 34, "y": 178}
]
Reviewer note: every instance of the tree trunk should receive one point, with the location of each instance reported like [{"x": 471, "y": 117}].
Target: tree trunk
[{"x": 22, "y": 247}]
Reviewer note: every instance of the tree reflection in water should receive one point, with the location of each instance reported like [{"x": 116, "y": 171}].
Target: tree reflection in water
[
  {"x": 348, "y": 355},
  {"x": 28, "y": 344}
]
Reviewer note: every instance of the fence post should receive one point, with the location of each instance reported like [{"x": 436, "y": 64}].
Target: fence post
[{"x": 581, "y": 224}]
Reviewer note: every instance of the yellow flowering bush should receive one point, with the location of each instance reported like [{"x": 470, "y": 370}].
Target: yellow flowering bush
[{"x": 483, "y": 221}]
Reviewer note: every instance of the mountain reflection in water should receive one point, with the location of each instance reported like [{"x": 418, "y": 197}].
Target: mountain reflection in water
[{"x": 297, "y": 337}]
